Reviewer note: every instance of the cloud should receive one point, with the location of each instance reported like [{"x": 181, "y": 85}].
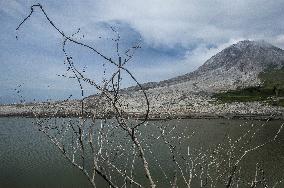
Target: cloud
[
  {"x": 165, "y": 23},
  {"x": 11, "y": 7},
  {"x": 177, "y": 35},
  {"x": 277, "y": 40},
  {"x": 190, "y": 62},
  {"x": 162, "y": 22},
  {"x": 184, "y": 22}
]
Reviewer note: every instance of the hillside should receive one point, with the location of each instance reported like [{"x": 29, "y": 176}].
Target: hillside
[
  {"x": 237, "y": 66},
  {"x": 243, "y": 80},
  {"x": 246, "y": 64},
  {"x": 270, "y": 90}
]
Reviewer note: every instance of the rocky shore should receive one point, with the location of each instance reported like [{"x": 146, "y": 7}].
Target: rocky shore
[{"x": 161, "y": 107}]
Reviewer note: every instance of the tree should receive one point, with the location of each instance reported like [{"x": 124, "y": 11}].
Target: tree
[
  {"x": 110, "y": 92},
  {"x": 114, "y": 148}
]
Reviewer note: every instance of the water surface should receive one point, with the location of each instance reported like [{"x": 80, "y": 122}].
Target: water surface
[{"x": 28, "y": 159}]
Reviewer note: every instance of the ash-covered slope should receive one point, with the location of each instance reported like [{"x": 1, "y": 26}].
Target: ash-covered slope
[
  {"x": 189, "y": 95},
  {"x": 237, "y": 66}
]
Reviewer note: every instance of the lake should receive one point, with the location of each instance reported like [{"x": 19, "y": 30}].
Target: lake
[{"x": 29, "y": 159}]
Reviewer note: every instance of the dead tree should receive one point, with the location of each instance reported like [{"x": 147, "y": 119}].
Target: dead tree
[
  {"x": 109, "y": 91},
  {"x": 113, "y": 147}
]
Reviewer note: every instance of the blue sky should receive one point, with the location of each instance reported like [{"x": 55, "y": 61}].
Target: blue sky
[{"x": 176, "y": 37}]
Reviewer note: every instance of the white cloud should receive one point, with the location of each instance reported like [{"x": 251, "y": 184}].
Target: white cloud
[
  {"x": 167, "y": 22},
  {"x": 192, "y": 24},
  {"x": 183, "y": 21},
  {"x": 191, "y": 61}
]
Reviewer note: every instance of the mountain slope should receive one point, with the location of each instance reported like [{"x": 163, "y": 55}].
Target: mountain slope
[
  {"x": 243, "y": 65},
  {"x": 234, "y": 68},
  {"x": 237, "y": 66}
]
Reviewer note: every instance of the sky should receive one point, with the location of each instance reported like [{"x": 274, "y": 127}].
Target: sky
[{"x": 176, "y": 37}]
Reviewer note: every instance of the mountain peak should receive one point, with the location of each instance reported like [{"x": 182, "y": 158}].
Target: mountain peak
[
  {"x": 235, "y": 66},
  {"x": 248, "y": 43},
  {"x": 245, "y": 55}
]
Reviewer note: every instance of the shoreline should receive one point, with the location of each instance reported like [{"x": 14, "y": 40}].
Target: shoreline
[{"x": 153, "y": 117}]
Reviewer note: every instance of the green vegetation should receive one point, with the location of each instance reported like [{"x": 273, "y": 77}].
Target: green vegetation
[
  {"x": 271, "y": 91},
  {"x": 273, "y": 79}
]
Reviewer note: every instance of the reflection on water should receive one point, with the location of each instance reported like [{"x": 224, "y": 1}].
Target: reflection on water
[{"x": 28, "y": 159}]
